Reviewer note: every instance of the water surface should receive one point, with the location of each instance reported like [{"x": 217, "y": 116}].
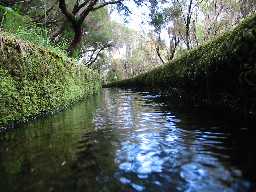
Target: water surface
[{"x": 127, "y": 141}]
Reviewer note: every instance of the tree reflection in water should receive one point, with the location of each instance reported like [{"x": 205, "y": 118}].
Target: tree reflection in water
[{"x": 126, "y": 141}]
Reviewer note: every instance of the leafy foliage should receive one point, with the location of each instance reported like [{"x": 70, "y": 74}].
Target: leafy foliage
[{"x": 24, "y": 28}]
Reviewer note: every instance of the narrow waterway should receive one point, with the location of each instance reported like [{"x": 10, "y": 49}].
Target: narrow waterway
[{"x": 127, "y": 141}]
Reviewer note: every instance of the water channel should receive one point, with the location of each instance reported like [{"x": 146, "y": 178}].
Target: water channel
[{"x": 127, "y": 141}]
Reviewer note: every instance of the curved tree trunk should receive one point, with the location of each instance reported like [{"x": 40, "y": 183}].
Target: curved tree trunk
[
  {"x": 76, "y": 40},
  {"x": 80, "y": 11},
  {"x": 159, "y": 54}
]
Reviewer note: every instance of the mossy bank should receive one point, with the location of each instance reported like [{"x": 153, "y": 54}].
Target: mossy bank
[
  {"x": 35, "y": 80},
  {"x": 220, "y": 74}
]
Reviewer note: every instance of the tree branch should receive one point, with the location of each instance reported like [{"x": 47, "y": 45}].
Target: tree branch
[
  {"x": 88, "y": 9},
  {"x": 78, "y": 7},
  {"x": 64, "y": 10},
  {"x": 92, "y": 60},
  {"x": 105, "y": 4}
]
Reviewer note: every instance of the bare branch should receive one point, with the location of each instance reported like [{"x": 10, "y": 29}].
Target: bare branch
[
  {"x": 93, "y": 58},
  {"x": 86, "y": 12},
  {"x": 106, "y": 3}
]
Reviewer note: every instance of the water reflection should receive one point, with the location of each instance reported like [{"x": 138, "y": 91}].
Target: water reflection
[
  {"x": 37, "y": 156},
  {"x": 151, "y": 150},
  {"x": 124, "y": 141}
]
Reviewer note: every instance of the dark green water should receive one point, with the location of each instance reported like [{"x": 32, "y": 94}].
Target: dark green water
[{"x": 126, "y": 141}]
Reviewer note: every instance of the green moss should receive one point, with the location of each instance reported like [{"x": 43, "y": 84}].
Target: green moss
[
  {"x": 34, "y": 80},
  {"x": 220, "y": 69}
]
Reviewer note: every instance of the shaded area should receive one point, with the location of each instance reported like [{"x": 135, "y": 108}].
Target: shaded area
[
  {"x": 37, "y": 156},
  {"x": 127, "y": 141},
  {"x": 220, "y": 74}
]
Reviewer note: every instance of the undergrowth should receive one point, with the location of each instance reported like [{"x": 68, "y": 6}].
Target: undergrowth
[{"x": 24, "y": 28}]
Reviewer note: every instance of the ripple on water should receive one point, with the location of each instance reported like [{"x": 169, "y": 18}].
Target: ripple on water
[
  {"x": 133, "y": 144},
  {"x": 216, "y": 178},
  {"x": 138, "y": 187}
]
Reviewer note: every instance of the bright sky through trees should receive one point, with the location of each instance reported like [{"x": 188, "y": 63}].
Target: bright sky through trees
[{"x": 137, "y": 20}]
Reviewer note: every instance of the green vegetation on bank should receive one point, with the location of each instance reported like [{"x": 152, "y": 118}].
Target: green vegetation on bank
[
  {"x": 219, "y": 73},
  {"x": 35, "y": 80},
  {"x": 35, "y": 76},
  {"x": 23, "y": 27}
]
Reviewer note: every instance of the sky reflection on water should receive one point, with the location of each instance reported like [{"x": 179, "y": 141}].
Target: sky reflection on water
[
  {"x": 124, "y": 141},
  {"x": 154, "y": 152}
]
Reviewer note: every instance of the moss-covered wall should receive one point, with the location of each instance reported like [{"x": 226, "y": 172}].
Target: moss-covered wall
[
  {"x": 34, "y": 80},
  {"x": 220, "y": 73}
]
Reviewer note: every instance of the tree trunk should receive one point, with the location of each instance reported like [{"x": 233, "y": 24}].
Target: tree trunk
[
  {"x": 76, "y": 40},
  {"x": 174, "y": 42},
  {"x": 188, "y": 20},
  {"x": 187, "y": 38},
  {"x": 159, "y": 54},
  {"x": 172, "y": 52}
]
